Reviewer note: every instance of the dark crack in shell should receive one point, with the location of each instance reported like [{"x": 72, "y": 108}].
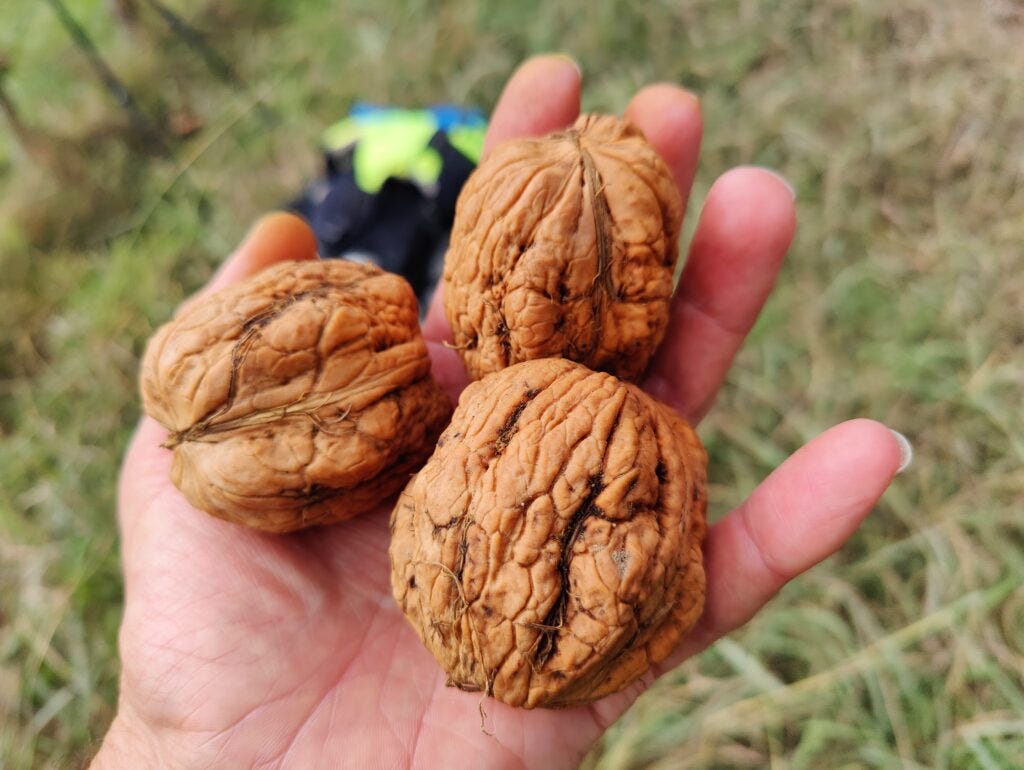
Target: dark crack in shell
[
  {"x": 302, "y": 396},
  {"x": 564, "y": 246},
  {"x": 550, "y": 550}
]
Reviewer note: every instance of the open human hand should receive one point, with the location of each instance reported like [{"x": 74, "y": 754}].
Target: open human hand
[{"x": 241, "y": 649}]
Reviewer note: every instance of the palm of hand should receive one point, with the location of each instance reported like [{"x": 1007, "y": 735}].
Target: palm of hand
[
  {"x": 242, "y": 649},
  {"x": 290, "y": 651}
]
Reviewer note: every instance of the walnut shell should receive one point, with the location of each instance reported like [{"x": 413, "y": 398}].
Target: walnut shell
[
  {"x": 550, "y": 550},
  {"x": 302, "y": 396},
  {"x": 564, "y": 246}
]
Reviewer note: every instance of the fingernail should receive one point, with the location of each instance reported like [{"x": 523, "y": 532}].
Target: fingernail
[
  {"x": 566, "y": 57},
  {"x": 906, "y": 450},
  {"x": 781, "y": 178}
]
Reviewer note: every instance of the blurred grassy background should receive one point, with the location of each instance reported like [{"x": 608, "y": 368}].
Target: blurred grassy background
[{"x": 902, "y": 128}]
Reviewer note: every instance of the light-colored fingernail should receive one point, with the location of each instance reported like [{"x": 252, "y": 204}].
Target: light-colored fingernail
[
  {"x": 906, "y": 450},
  {"x": 566, "y": 57},
  {"x": 781, "y": 178}
]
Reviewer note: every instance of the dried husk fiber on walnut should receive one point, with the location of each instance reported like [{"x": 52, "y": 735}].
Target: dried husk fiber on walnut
[
  {"x": 550, "y": 550},
  {"x": 564, "y": 246},
  {"x": 302, "y": 396}
]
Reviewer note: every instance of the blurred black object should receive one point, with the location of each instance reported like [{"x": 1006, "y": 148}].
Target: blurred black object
[{"x": 401, "y": 223}]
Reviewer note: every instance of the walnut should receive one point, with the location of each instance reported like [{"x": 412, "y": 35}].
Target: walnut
[
  {"x": 564, "y": 246},
  {"x": 550, "y": 550},
  {"x": 302, "y": 396}
]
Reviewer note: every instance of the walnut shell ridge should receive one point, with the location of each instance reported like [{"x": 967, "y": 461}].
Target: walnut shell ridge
[
  {"x": 302, "y": 396},
  {"x": 564, "y": 246},
  {"x": 549, "y": 552}
]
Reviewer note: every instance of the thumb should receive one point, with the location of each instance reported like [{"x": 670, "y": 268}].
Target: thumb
[{"x": 275, "y": 237}]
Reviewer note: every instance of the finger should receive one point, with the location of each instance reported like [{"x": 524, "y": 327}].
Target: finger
[
  {"x": 670, "y": 119},
  {"x": 447, "y": 369},
  {"x": 542, "y": 96},
  {"x": 742, "y": 236},
  {"x": 802, "y": 513},
  {"x": 276, "y": 237},
  {"x": 435, "y": 325}
]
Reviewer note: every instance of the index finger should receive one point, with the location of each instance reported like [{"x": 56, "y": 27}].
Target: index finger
[{"x": 542, "y": 96}]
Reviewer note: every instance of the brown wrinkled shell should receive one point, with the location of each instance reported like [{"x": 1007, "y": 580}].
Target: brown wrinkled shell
[
  {"x": 564, "y": 246},
  {"x": 302, "y": 396},
  {"x": 550, "y": 550}
]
